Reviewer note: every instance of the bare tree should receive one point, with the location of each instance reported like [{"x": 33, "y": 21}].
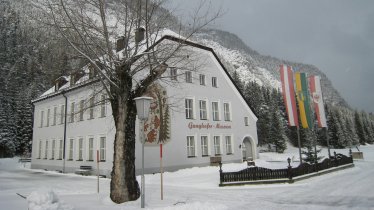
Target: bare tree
[{"x": 92, "y": 28}]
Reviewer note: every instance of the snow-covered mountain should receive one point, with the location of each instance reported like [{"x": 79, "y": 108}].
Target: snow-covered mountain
[{"x": 252, "y": 66}]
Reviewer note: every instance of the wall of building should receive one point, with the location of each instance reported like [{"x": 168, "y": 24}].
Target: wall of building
[
  {"x": 175, "y": 152},
  {"x": 175, "y": 155},
  {"x": 87, "y": 128}
]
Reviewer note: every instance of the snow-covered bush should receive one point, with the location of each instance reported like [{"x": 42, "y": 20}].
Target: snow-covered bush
[{"x": 45, "y": 199}]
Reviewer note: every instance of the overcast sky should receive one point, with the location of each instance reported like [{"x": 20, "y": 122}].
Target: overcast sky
[{"x": 337, "y": 36}]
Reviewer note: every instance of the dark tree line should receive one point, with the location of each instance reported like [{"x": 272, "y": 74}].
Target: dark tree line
[{"x": 30, "y": 59}]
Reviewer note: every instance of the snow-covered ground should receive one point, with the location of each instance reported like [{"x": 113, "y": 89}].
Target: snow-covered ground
[{"x": 195, "y": 188}]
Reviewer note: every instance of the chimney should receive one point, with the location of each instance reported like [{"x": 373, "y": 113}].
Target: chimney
[
  {"x": 59, "y": 82},
  {"x": 139, "y": 35},
  {"x": 121, "y": 43}
]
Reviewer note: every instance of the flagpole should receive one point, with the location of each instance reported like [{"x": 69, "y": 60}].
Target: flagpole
[
  {"x": 328, "y": 141},
  {"x": 315, "y": 147},
  {"x": 299, "y": 143}
]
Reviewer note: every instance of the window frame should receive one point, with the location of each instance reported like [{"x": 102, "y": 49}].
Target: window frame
[
  {"x": 102, "y": 149},
  {"x": 48, "y": 116},
  {"x": 204, "y": 147},
  {"x": 214, "y": 82},
  {"x": 189, "y": 108},
  {"x": 60, "y": 149},
  {"x": 40, "y": 149},
  {"x": 53, "y": 149},
  {"x": 80, "y": 149},
  {"x": 103, "y": 106},
  {"x": 90, "y": 148},
  {"x": 191, "y": 148},
  {"x": 62, "y": 114},
  {"x": 71, "y": 149},
  {"x": 203, "y": 112},
  {"x": 81, "y": 110},
  {"x": 215, "y": 111},
  {"x": 91, "y": 112},
  {"x": 72, "y": 112},
  {"x": 202, "y": 79},
  {"x": 54, "y": 116},
  {"x": 227, "y": 111},
  {"x": 229, "y": 147},
  {"x": 217, "y": 147},
  {"x": 246, "y": 121},
  {"x": 188, "y": 76},
  {"x": 174, "y": 74},
  {"x": 46, "y": 150}
]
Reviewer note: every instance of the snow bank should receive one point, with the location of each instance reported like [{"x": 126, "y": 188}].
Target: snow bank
[
  {"x": 195, "y": 206},
  {"x": 12, "y": 163},
  {"x": 45, "y": 199}
]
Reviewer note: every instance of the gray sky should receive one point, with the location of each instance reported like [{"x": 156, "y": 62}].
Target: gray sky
[{"x": 337, "y": 36}]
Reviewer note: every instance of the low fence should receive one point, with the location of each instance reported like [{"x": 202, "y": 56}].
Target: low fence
[{"x": 260, "y": 174}]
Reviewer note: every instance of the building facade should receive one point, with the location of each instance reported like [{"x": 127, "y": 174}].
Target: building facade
[{"x": 197, "y": 113}]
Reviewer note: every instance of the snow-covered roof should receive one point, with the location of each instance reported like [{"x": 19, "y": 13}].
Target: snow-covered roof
[
  {"x": 158, "y": 37},
  {"x": 166, "y": 34}
]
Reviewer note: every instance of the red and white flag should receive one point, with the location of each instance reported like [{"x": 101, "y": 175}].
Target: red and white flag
[
  {"x": 316, "y": 93},
  {"x": 288, "y": 92}
]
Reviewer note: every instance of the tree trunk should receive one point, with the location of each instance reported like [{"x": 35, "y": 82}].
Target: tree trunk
[{"x": 123, "y": 186}]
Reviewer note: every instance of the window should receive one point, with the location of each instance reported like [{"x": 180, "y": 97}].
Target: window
[
  {"x": 46, "y": 150},
  {"x": 204, "y": 146},
  {"x": 246, "y": 121},
  {"x": 190, "y": 146},
  {"x": 217, "y": 145},
  {"x": 226, "y": 111},
  {"x": 202, "y": 79},
  {"x": 41, "y": 118},
  {"x": 173, "y": 74},
  {"x": 228, "y": 145},
  {"x": 92, "y": 105},
  {"x": 214, "y": 81},
  {"x": 54, "y": 115},
  {"x": 60, "y": 149},
  {"x": 189, "y": 108},
  {"x": 48, "y": 116},
  {"x": 62, "y": 112},
  {"x": 81, "y": 110},
  {"x": 103, "y": 106},
  {"x": 90, "y": 148},
  {"x": 80, "y": 149},
  {"x": 72, "y": 107},
  {"x": 203, "y": 111},
  {"x": 102, "y": 148},
  {"x": 215, "y": 111},
  {"x": 71, "y": 149},
  {"x": 40, "y": 150},
  {"x": 188, "y": 76},
  {"x": 53, "y": 149}
]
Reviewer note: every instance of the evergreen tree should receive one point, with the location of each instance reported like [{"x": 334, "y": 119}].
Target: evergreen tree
[
  {"x": 238, "y": 81},
  {"x": 277, "y": 133},
  {"x": 263, "y": 126},
  {"x": 341, "y": 134},
  {"x": 360, "y": 128},
  {"x": 310, "y": 152},
  {"x": 367, "y": 127},
  {"x": 352, "y": 134}
]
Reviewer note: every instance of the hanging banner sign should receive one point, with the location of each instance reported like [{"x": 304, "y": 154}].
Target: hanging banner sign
[{"x": 157, "y": 127}]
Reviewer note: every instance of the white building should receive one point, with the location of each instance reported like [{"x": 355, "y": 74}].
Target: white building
[{"x": 204, "y": 118}]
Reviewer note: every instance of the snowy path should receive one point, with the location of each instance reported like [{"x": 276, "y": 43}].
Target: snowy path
[{"x": 197, "y": 188}]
